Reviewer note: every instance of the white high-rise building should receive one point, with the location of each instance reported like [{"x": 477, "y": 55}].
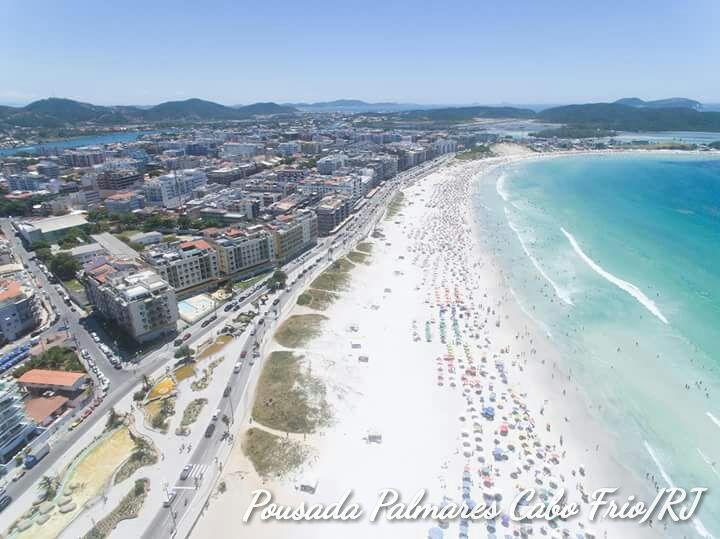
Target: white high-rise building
[
  {"x": 15, "y": 426},
  {"x": 173, "y": 190}
]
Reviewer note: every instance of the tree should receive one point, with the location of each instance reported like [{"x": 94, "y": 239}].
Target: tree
[
  {"x": 183, "y": 222},
  {"x": 183, "y": 351},
  {"x": 114, "y": 419},
  {"x": 278, "y": 280},
  {"x": 48, "y": 485},
  {"x": 64, "y": 266}
]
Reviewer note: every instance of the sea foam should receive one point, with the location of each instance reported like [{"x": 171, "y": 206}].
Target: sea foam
[
  {"x": 699, "y": 526},
  {"x": 564, "y": 296},
  {"x": 500, "y": 187},
  {"x": 630, "y": 288},
  {"x": 713, "y": 419}
]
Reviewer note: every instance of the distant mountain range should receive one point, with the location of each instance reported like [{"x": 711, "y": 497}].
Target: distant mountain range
[
  {"x": 57, "y": 112},
  {"x": 621, "y": 117},
  {"x": 357, "y": 106},
  {"x": 670, "y": 103},
  {"x": 627, "y": 114}
]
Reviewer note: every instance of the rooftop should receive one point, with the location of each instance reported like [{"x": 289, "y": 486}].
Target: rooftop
[
  {"x": 50, "y": 377},
  {"x": 40, "y": 408},
  {"x": 9, "y": 290}
]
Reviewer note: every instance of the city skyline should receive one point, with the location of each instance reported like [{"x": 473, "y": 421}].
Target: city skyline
[{"x": 452, "y": 54}]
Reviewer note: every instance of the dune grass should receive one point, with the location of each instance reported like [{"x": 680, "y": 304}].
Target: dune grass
[
  {"x": 288, "y": 398},
  {"x": 358, "y": 257},
  {"x": 319, "y": 300},
  {"x": 299, "y": 329},
  {"x": 336, "y": 278},
  {"x": 272, "y": 455},
  {"x": 395, "y": 206}
]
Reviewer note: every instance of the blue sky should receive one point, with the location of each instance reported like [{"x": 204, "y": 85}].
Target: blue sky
[{"x": 449, "y": 51}]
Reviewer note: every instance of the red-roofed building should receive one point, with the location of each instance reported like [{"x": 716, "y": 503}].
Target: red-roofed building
[
  {"x": 39, "y": 380},
  {"x": 44, "y": 410}
]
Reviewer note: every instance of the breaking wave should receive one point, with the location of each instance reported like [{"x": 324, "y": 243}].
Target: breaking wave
[
  {"x": 630, "y": 288},
  {"x": 563, "y": 295}
]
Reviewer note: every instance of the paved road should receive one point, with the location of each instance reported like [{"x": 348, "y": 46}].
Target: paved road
[
  {"x": 204, "y": 461},
  {"x": 125, "y": 381},
  {"x": 122, "y": 381}
]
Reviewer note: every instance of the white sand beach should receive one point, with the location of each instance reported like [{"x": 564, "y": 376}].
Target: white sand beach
[{"x": 445, "y": 341}]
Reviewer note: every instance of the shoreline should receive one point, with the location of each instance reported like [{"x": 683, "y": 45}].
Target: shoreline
[{"x": 357, "y": 394}]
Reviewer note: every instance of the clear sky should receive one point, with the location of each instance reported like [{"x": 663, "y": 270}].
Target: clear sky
[{"x": 441, "y": 51}]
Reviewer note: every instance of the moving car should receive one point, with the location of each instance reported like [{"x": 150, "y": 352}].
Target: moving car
[
  {"x": 185, "y": 472},
  {"x": 237, "y": 367},
  {"x": 209, "y": 430},
  {"x": 170, "y": 500}
]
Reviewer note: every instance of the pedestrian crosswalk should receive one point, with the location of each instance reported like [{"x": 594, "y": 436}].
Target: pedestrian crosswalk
[{"x": 197, "y": 471}]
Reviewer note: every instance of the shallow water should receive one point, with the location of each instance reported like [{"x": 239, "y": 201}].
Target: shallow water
[{"x": 618, "y": 258}]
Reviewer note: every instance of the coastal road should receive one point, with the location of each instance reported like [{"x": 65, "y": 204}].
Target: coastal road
[{"x": 204, "y": 460}]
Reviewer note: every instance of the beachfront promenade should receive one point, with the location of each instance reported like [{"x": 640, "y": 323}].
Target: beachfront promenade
[{"x": 205, "y": 455}]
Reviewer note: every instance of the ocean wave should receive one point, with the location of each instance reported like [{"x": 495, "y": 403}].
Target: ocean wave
[
  {"x": 701, "y": 529},
  {"x": 530, "y": 316},
  {"x": 563, "y": 295},
  {"x": 630, "y": 288},
  {"x": 500, "y": 187},
  {"x": 713, "y": 419},
  {"x": 708, "y": 461}
]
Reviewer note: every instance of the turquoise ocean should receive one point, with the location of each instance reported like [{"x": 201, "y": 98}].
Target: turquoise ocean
[{"x": 617, "y": 257}]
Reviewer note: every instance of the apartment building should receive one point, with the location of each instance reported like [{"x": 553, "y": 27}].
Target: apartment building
[
  {"x": 82, "y": 157},
  {"x": 288, "y": 149},
  {"x": 293, "y": 234},
  {"x": 15, "y": 426},
  {"x": 350, "y": 185},
  {"x": 124, "y": 202},
  {"x": 118, "y": 179},
  {"x": 331, "y": 211},
  {"x": 330, "y": 164},
  {"x": 184, "y": 265},
  {"x": 18, "y": 310},
  {"x": 136, "y": 299},
  {"x": 242, "y": 251},
  {"x": 27, "y": 182},
  {"x": 173, "y": 190}
]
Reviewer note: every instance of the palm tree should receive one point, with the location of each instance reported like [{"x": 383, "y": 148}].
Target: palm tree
[{"x": 48, "y": 485}]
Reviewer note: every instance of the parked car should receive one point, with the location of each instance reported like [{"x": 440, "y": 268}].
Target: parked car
[
  {"x": 186, "y": 337},
  {"x": 226, "y": 392},
  {"x": 216, "y": 414},
  {"x": 4, "y": 502},
  {"x": 237, "y": 368}
]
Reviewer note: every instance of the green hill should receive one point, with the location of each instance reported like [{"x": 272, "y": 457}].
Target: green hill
[{"x": 618, "y": 117}]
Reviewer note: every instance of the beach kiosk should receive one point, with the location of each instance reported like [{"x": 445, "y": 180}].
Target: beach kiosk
[{"x": 308, "y": 484}]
